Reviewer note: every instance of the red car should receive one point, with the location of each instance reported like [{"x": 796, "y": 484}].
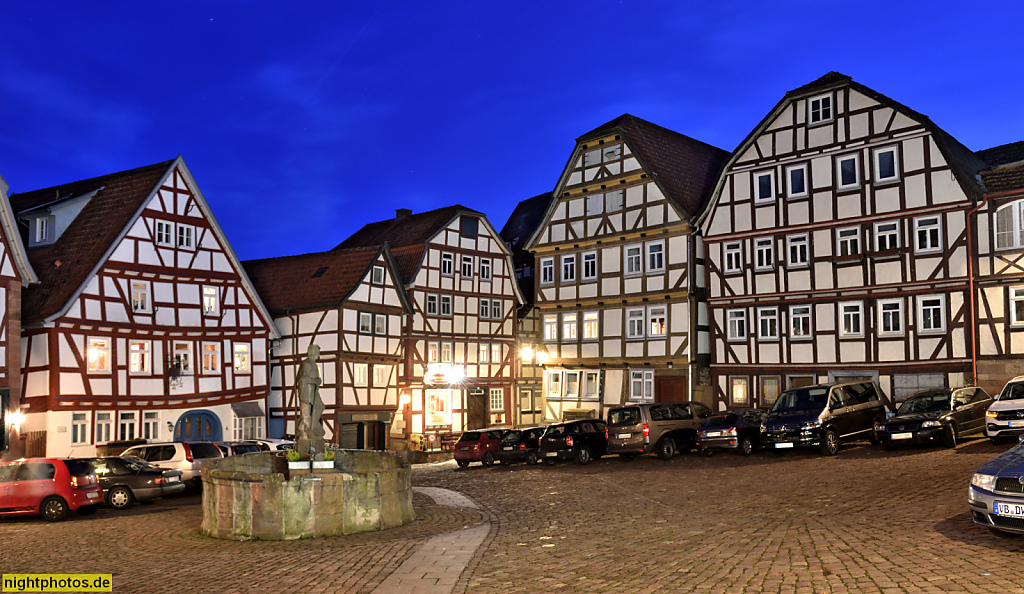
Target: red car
[
  {"x": 49, "y": 487},
  {"x": 478, "y": 446}
]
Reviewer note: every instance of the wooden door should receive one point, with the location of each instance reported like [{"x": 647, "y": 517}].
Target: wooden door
[
  {"x": 477, "y": 414},
  {"x": 669, "y": 389}
]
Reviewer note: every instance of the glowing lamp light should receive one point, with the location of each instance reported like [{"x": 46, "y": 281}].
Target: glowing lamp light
[
  {"x": 455, "y": 374},
  {"x": 406, "y": 398},
  {"x": 526, "y": 354},
  {"x": 542, "y": 357},
  {"x": 444, "y": 373},
  {"x": 17, "y": 418}
]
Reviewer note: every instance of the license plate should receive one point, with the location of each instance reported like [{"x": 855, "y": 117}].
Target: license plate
[
  {"x": 464, "y": 449},
  {"x": 784, "y": 445},
  {"x": 1014, "y": 510},
  {"x": 550, "y": 454},
  {"x": 1016, "y": 423},
  {"x": 624, "y": 435},
  {"x": 896, "y": 436},
  {"x": 173, "y": 479},
  {"x": 91, "y": 495},
  {"x": 507, "y": 448},
  {"x": 714, "y": 434}
]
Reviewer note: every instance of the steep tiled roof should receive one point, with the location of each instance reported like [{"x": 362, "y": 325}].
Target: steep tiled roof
[
  {"x": 291, "y": 283},
  {"x": 1004, "y": 179},
  {"x": 1003, "y": 154},
  {"x": 685, "y": 168},
  {"x": 64, "y": 266},
  {"x": 524, "y": 220}
]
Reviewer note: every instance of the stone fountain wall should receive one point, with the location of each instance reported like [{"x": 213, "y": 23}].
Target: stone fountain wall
[{"x": 252, "y": 497}]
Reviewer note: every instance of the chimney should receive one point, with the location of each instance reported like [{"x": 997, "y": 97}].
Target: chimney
[{"x": 401, "y": 213}]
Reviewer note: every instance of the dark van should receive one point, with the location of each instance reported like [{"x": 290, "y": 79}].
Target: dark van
[{"x": 823, "y": 416}]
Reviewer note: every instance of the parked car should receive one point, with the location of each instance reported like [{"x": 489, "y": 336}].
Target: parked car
[
  {"x": 478, "y": 446},
  {"x": 268, "y": 444},
  {"x": 823, "y": 416},
  {"x": 186, "y": 456},
  {"x": 936, "y": 415},
  {"x": 580, "y": 441},
  {"x": 130, "y": 479},
  {"x": 996, "y": 494},
  {"x": 662, "y": 428},
  {"x": 737, "y": 429},
  {"x": 520, "y": 445},
  {"x": 49, "y": 487},
  {"x": 1005, "y": 416},
  {"x": 237, "y": 448}
]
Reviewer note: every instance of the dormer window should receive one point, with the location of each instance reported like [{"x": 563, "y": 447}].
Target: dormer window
[
  {"x": 42, "y": 230},
  {"x": 819, "y": 109}
]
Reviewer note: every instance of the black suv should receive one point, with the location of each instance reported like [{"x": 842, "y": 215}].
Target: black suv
[
  {"x": 823, "y": 416},
  {"x": 581, "y": 441}
]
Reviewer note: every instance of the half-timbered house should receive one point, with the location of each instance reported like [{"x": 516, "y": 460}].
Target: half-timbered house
[
  {"x": 620, "y": 269},
  {"x": 458, "y": 367},
  {"x": 351, "y": 304},
  {"x": 143, "y": 324},
  {"x": 838, "y": 247}
]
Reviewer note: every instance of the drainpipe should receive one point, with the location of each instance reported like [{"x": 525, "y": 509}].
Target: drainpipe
[{"x": 691, "y": 298}]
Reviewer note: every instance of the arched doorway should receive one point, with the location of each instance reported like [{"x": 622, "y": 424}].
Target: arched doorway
[{"x": 198, "y": 425}]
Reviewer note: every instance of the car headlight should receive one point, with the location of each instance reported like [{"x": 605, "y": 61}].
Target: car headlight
[
  {"x": 991, "y": 413},
  {"x": 811, "y": 424},
  {"x": 931, "y": 424},
  {"x": 983, "y": 481},
  {"x": 880, "y": 428}
]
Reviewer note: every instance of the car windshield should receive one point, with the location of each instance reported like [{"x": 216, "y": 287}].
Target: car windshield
[
  {"x": 936, "y": 401},
  {"x": 512, "y": 436},
  {"x": 721, "y": 420},
  {"x": 474, "y": 436},
  {"x": 802, "y": 399},
  {"x": 79, "y": 467},
  {"x": 204, "y": 450},
  {"x": 624, "y": 416},
  {"x": 556, "y": 430},
  {"x": 1013, "y": 391}
]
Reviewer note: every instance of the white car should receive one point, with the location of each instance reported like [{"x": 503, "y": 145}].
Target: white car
[
  {"x": 186, "y": 456},
  {"x": 1005, "y": 416},
  {"x": 269, "y": 444}
]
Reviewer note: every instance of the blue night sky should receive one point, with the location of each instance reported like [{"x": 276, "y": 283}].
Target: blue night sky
[{"x": 302, "y": 121}]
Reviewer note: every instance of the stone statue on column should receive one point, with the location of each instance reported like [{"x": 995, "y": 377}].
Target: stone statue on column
[{"x": 309, "y": 434}]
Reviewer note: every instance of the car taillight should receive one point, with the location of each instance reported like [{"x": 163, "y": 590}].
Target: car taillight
[
  {"x": 731, "y": 431},
  {"x": 606, "y": 433},
  {"x": 647, "y": 430},
  {"x": 74, "y": 482},
  {"x": 158, "y": 480},
  {"x": 476, "y": 447},
  {"x": 568, "y": 440},
  {"x": 522, "y": 446},
  {"x": 78, "y": 482},
  {"x": 188, "y": 452}
]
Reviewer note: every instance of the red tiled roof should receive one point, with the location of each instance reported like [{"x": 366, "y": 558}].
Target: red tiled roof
[
  {"x": 289, "y": 283},
  {"x": 80, "y": 248},
  {"x": 1004, "y": 179}
]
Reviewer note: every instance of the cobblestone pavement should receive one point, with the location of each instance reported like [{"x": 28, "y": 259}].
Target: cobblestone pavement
[{"x": 866, "y": 520}]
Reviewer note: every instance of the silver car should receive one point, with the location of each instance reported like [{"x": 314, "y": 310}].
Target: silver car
[{"x": 186, "y": 456}]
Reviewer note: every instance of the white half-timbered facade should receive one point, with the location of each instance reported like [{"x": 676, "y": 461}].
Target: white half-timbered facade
[
  {"x": 351, "y": 304},
  {"x": 838, "y": 247},
  {"x": 618, "y": 281},
  {"x": 458, "y": 354},
  {"x": 143, "y": 325}
]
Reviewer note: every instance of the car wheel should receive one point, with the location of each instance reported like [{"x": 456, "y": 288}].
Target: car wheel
[
  {"x": 627, "y": 457},
  {"x": 1003, "y": 533},
  {"x": 531, "y": 458},
  {"x": 53, "y": 509},
  {"x": 583, "y": 456},
  {"x": 666, "y": 448},
  {"x": 830, "y": 443},
  {"x": 462, "y": 463},
  {"x": 488, "y": 459},
  {"x": 949, "y": 436},
  {"x": 87, "y": 510},
  {"x": 747, "y": 446},
  {"x": 119, "y": 497}
]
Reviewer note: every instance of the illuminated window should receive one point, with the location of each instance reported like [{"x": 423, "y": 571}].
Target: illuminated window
[
  {"x": 656, "y": 321},
  {"x": 380, "y": 376},
  {"x": 140, "y": 297},
  {"x": 241, "y": 358},
  {"x": 496, "y": 354},
  {"x": 99, "y": 354},
  {"x": 211, "y": 302},
  {"x": 738, "y": 390},
  {"x": 447, "y": 349},
  {"x": 139, "y": 356},
  {"x": 211, "y": 357},
  {"x": 485, "y": 352},
  {"x": 569, "y": 326},
  {"x": 183, "y": 357},
  {"x": 359, "y": 372},
  {"x": 590, "y": 323},
  {"x": 433, "y": 352},
  {"x": 497, "y": 400},
  {"x": 551, "y": 327}
]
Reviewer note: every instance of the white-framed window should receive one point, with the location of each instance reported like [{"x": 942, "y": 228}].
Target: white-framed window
[
  {"x": 380, "y": 324},
  {"x": 819, "y": 109},
  {"x": 796, "y": 250},
  {"x": 569, "y": 326},
  {"x": 887, "y": 161},
  {"x": 126, "y": 426},
  {"x": 139, "y": 356},
  {"x": 485, "y": 309},
  {"x": 931, "y": 317},
  {"x": 569, "y": 268},
  {"x": 848, "y": 171},
  {"x": 447, "y": 352},
  {"x": 635, "y": 323},
  {"x": 433, "y": 352},
  {"x": 800, "y": 322},
  {"x": 186, "y": 237},
  {"x": 572, "y": 385},
  {"x": 439, "y": 409},
  {"x": 1009, "y": 227},
  {"x": 890, "y": 317},
  {"x": 591, "y": 385},
  {"x": 151, "y": 426},
  {"x": 764, "y": 254},
  {"x": 164, "y": 232},
  {"x": 447, "y": 264},
  {"x": 42, "y": 229},
  {"x": 496, "y": 357},
  {"x": 736, "y": 321},
  {"x": 550, "y": 327},
  {"x": 764, "y": 187},
  {"x": 211, "y": 357},
  {"x": 104, "y": 422},
  {"x": 247, "y": 428},
  {"x": 634, "y": 263},
  {"x": 590, "y": 325},
  {"x": 241, "y": 357},
  {"x": 641, "y": 385},
  {"x": 547, "y": 271},
  {"x": 852, "y": 323},
  {"x": 431, "y": 305},
  {"x": 554, "y": 385},
  {"x": 98, "y": 354},
  {"x": 497, "y": 400},
  {"x": 380, "y": 376},
  {"x": 377, "y": 276},
  {"x": 183, "y": 356},
  {"x": 927, "y": 234},
  {"x": 360, "y": 371},
  {"x": 848, "y": 241},
  {"x": 79, "y": 428},
  {"x": 467, "y": 267},
  {"x": 211, "y": 301},
  {"x": 140, "y": 297},
  {"x": 732, "y": 254},
  {"x": 768, "y": 323},
  {"x": 485, "y": 269},
  {"x": 655, "y": 256},
  {"x": 366, "y": 322},
  {"x": 796, "y": 181},
  {"x": 446, "y": 305},
  {"x": 497, "y": 312},
  {"x": 1017, "y": 306},
  {"x": 887, "y": 236},
  {"x": 484, "y": 353},
  {"x": 613, "y": 200},
  {"x": 739, "y": 390},
  {"x": 657, "y": 321},
  {"x": 589, "y": 266},
  {"x": 595, "y": 204}
]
